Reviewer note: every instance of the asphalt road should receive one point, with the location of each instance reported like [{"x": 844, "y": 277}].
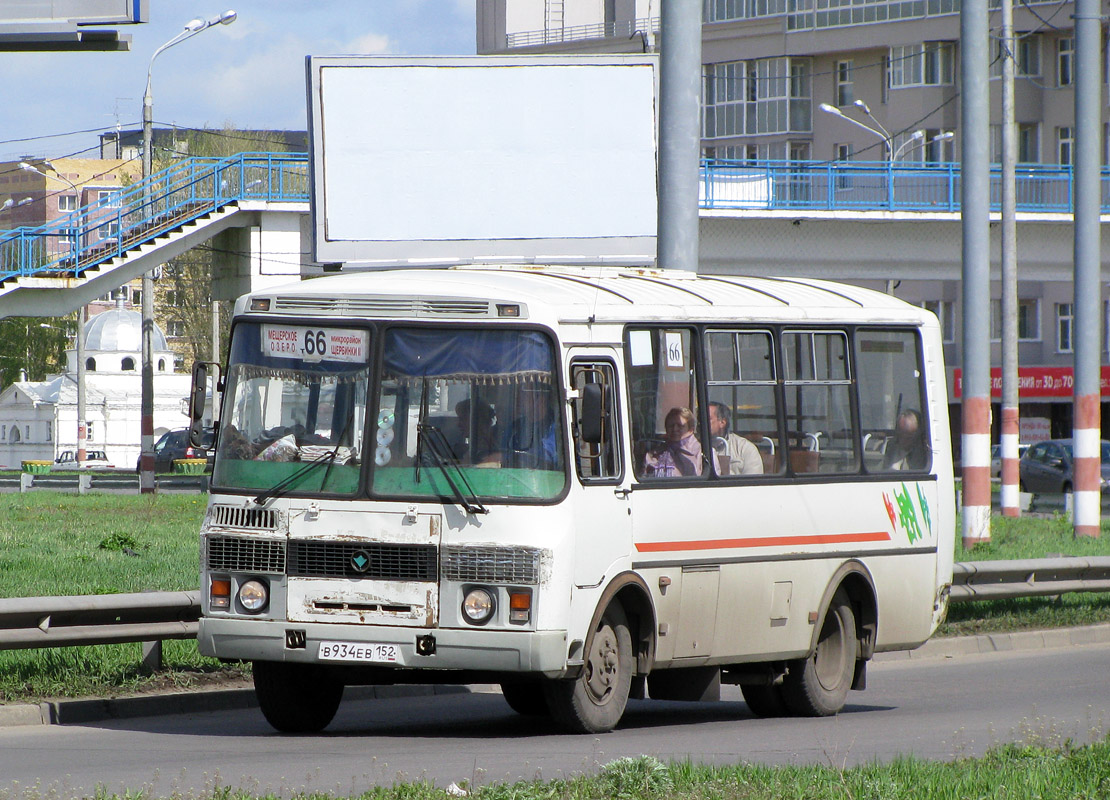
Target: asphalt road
[{"x": 938, "y": 708}]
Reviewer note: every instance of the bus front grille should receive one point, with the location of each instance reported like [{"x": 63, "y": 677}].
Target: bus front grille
[
  {"x": 242, "y": 554},
  {"x": 485, "y": 564},
  {"x": 262, "y": 519},
  {"x": 390, "y": 562}
]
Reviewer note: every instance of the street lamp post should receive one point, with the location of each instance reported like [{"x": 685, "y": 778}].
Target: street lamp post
[
  {"x": 82, "y": 426},
  {"x": 880, "y": 131},
  {"x": 146, "y": 458}
]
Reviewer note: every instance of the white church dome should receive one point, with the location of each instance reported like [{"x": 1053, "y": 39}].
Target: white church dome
[{"x": 120, "y": 330}]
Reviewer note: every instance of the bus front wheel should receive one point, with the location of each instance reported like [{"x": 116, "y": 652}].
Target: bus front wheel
[
  {"x": 594, "y": 701},
  {"x": 296, "y": 698},
  {"x": 818, "y": 686}
]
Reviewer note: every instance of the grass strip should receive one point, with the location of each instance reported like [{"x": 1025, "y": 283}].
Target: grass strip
[{"x": 1007, "y": 772}]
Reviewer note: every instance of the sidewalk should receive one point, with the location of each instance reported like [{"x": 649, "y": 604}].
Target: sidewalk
[{"x": 75, "y": 712}]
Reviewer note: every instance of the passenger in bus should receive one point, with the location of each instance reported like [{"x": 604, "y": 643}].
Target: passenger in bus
[
  {"x": 735, "y": 455},
  {"x": 477, "y": 446},
  {"x": 908, "y": 448},
  {"x": 681, "y": 454},
  {"x": 529, "y": 441}
]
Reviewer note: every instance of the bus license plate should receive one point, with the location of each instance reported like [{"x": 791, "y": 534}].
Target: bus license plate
[{"x": 359, "y": 651}]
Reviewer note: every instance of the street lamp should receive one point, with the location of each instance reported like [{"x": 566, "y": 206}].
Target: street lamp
[
  {"x": 917, "y": 139},
  {"x": 82, "y": 430},
  {"x": 879, "y": 132},
  {"x": 146, "y": 457}
]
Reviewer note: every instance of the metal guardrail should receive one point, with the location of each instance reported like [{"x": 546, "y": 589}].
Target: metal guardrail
[
  {"x": 27, "y": 622},
  {"x": 31, "y": 622},
  {"x": 1037, "y": 577}
]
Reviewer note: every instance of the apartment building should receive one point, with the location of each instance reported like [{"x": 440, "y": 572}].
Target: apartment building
[{"x": 848, "y": 81}]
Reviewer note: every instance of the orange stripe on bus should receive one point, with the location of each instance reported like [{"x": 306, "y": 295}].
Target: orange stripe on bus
[{"x": 764, "y": 541}]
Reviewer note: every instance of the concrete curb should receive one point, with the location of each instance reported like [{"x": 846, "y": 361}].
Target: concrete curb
[
  {"x": 76, "y": 712},
  {"x": 952, "y": 647}
]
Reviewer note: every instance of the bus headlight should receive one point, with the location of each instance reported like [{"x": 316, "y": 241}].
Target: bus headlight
[
  {"x": 478, "y": 606},
  {"x": 253, "y": 595}
]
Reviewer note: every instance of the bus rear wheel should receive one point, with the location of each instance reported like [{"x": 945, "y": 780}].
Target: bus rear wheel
[
  {"x": 594, "y": 701},
  {"x": 296, "y": 698},
  {"x": 817, "y": 686}
]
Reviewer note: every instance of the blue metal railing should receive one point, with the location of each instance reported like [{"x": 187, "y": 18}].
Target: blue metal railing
[
  {"x": 194, "y": 187},
  {"x": 876, "y": 186},
  {"x": 183, "y": 192}
]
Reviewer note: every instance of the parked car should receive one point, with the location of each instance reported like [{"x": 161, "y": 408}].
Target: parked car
[
  {"x": 996, "y": 458},
  {"x": 1049, "y": 467},
  {"x": 170, "y": 447},
  {"x": 94, "y": 459}
]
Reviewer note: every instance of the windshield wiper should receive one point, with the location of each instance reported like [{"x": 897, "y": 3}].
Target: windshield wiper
[
  {"x": 285, "y": 485},
  {"x": 440, "y": 454}
]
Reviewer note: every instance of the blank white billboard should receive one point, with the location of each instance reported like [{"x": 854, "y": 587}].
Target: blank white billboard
[{"x": 483, "y": 158}]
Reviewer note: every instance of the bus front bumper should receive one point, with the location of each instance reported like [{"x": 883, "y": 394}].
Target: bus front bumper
[{"x": 469, "y": 649}]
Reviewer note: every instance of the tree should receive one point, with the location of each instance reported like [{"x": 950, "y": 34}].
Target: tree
[{"x": 34, "y": 345}]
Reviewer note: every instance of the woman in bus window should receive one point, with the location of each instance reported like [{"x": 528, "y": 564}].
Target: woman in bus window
[{"x": 681, "y": 453}]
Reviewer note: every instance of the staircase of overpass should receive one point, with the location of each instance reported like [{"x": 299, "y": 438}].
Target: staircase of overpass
[{"x": 52, "y": 269}]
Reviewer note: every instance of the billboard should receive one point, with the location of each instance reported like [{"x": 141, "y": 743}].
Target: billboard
[{"x": 483, "y": 158}]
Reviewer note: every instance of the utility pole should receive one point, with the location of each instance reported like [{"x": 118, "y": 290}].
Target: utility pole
[
  {"x": 1086, "y": 177},
  {"x": 975, "y": 223},
  {"x": 679, "y": 134},
  {"x": 1010, "y": 401}
]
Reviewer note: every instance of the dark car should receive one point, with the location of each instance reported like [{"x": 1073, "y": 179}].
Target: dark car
[
  {"x": 1049, "y": 467},
  {"x": 170, "y": 447}
]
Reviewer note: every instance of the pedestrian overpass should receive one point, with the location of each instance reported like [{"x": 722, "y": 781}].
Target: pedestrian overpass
[{"x": 864, "y": 222}]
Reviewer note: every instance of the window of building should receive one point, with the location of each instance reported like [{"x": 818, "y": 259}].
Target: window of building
[
  {"x": 90, "y": 364},
  {"x": 925, "y": 64},
  {"x": 67, "y": 203},
  {"x": 945, "y": 311},
  {"x": 1027, "y": 56},
  {"x": 1028, "y": 143},
  {"x": 161, "y": 365},
  {"x": 1065, "y": 61},
  {"x": 722, "y": 10},
  {"x": 127, "y": 364},
  {"x": 108, "y": 198},
  {"x": 16, "y": 437},
  {"x": 844, "y": 94},
  {"x": 765, "y": 96},
  {"x": 175, "y": 327},
  {"x": 1028, "y": 321},
  {"x": 1064, "y": 145},
  {"x": 175, "y": 298},
  {"x": 1065, "y": 319}
]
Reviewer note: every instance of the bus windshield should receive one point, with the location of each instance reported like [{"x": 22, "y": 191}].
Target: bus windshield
[
  {"x": 294, "y": 409},
  {"x": 468, "y": 411}
]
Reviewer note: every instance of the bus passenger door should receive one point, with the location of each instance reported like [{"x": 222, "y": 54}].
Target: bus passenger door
[{"x": 602, "y": 516}]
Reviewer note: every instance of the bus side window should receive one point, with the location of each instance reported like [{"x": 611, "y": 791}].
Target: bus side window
[
  {"x": 597, "y": 445},
  {"x": 890, "y": 389}
]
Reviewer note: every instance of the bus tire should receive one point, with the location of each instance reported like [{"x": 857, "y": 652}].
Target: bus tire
[
  {"x": 817, "y": 686},
  {"x": 296, "y": 698},
  {"x": 594, "y": 701},
  {"x": 765, "y": 701},
  {"x": 526, "y": 698}
]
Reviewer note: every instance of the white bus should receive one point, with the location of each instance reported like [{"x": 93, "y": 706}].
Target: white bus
[{"x": 584, "y": 484}]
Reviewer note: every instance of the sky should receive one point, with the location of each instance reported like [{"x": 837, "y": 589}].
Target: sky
[{"x": 249, "y": 74}]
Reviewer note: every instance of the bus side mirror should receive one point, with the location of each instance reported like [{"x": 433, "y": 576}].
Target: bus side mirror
[
  {"x": 198, "y": 401},
  {"x": 591, "y": 423}
]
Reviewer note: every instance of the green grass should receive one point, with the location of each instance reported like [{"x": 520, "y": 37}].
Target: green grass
[
  {"x": 1009, "y": 772},
  {"x": 56, "y": 543}
]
